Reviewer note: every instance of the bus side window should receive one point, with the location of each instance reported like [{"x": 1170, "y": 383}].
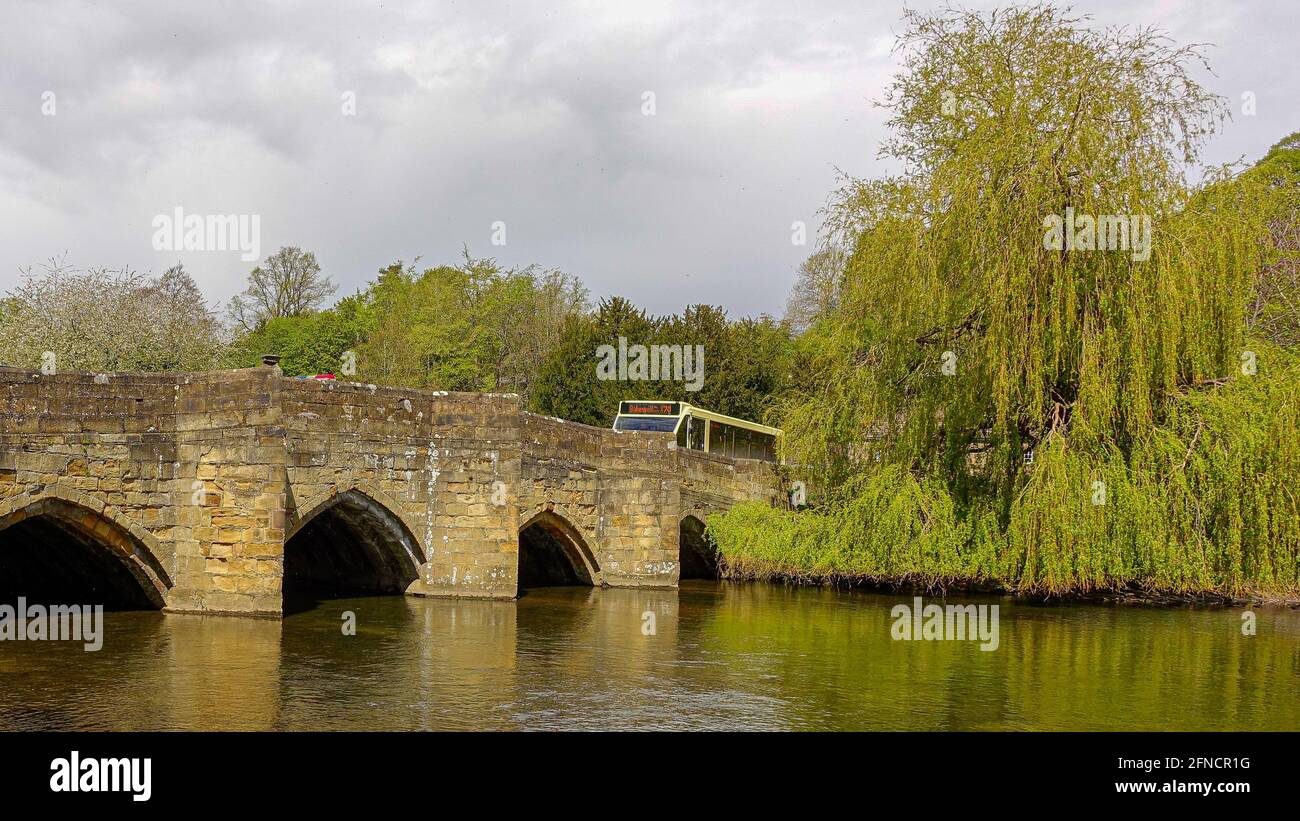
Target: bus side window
[
  {"x": 742, "y": 443},
  {"x": 722, "y": 440},
  {"x": 697, "y": 433}
]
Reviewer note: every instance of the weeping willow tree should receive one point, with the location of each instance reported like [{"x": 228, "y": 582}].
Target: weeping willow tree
[{"x": 1040, "y": 372}]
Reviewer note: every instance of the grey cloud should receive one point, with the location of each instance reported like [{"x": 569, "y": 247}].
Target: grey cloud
[{"x": 469, "y": 113}]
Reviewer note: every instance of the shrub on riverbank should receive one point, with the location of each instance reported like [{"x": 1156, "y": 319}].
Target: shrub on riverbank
[
  {"x": 1205, "y": 504},
  {"x": 890, "y": 525}
]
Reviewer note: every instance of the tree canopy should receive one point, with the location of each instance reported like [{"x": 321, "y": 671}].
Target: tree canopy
[
  {"x": 109, "y": 320},
  {"x": 289, "y": 283},
  {"x": 745, "y": 362},
  {"x": 1007, "y": 391}
]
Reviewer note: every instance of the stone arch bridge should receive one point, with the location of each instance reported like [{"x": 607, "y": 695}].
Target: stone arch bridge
[{"x": 233, "y": 491}]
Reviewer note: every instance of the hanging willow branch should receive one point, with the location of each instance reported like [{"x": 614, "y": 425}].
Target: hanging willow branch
[{"x": 1118, "y": 363}]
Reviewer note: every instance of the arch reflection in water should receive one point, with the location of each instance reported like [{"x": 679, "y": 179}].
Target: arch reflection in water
[
  {"x": 222, "y": 673},
  {"x": 414, "y": 664}
]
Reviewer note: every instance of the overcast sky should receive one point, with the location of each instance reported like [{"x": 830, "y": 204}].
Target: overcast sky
[{"x": 471, "y": 113}]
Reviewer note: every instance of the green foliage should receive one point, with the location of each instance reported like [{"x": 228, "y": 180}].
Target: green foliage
[
  {"x": 1206, "y": 503},
  {"x": 288, "y": 283},
  {"x": 308, "y": 344},
  {"x": 889, "y": 525},
  {"x": 1112, "y": 367},
  {"x": 1274, "y": 313},
  {"x": 567, "y": 386},
  {"x": 746, "y": 362},
  {"x": 471, "y": 327},
  {"x": 1282, "y": 162}
]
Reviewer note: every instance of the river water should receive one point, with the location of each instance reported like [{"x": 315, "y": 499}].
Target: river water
[{"x": 713, "y": 656}]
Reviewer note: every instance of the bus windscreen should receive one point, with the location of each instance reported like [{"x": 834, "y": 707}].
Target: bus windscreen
[{"x": 666, "y": 424}]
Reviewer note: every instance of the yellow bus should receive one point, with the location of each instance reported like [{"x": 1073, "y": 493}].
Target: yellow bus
[{"x": 700, "y": 429}]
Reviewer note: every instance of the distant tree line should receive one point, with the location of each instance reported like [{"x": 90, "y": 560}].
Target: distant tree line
[{"x": 470, "y": 326}]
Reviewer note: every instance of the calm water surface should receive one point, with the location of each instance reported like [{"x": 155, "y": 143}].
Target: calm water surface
[{"x": 723, "y": 656}]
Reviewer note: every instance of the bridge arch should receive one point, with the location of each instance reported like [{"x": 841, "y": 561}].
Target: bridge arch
[
  {"x": 553, "y": 552},
  {"x": 64, "y": 546},
  {"x": 697, "y": 555},
  {"x": 349, "y": 541}
]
